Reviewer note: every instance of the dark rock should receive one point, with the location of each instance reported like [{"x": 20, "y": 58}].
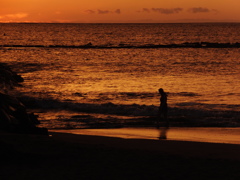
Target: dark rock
[
  {"x": 8, "y": 78},
  {"x": 15, "y": 118},
  {"x": 13, "y": 114}
]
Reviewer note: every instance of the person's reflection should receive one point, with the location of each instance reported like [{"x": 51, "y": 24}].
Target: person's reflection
[{"x": 163, "y": 132}]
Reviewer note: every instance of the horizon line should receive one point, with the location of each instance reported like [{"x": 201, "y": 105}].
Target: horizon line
[{"x": 190, "y": 22}]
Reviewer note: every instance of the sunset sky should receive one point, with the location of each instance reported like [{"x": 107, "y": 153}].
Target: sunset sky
[{"x": 119, "y": 11}]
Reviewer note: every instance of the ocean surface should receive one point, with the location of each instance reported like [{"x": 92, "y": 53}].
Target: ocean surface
[{"x": 108, "y": 75}]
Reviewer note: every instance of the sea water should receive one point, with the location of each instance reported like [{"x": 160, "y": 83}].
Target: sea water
[{"x": 103, "y": 75}]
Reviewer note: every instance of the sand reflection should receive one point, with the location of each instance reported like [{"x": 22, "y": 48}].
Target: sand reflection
[{"x": 163, "y": 132}]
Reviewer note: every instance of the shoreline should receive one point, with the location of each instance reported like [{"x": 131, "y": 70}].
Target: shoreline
[{"x": 190, "y": 134}]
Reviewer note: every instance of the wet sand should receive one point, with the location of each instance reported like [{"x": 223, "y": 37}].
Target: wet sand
[
  {"x": 210, "y": 135},
  {"x": 72, "y": 156}
]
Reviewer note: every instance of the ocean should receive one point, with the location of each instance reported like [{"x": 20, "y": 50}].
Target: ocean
[{"x": 108, "y": 75}]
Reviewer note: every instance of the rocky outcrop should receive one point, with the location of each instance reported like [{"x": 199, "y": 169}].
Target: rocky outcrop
[
  {"x": 8, "y": 78},
  {"x": 13, "y": 114}
]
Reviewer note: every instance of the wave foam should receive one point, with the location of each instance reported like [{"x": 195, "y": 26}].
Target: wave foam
[{"x": 183, "y": 115}]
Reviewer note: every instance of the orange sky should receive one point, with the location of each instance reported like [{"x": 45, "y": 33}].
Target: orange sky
[{"x": 90, "y": 11}]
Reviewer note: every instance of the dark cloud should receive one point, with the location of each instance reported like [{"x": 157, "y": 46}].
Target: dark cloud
[
  {"x": 201, "y": 10},
  {"x": 99, "y": 11},
  {"x": 89, "y": 11},
  {"x": 167, "y": 11},
  {"x": 103, "y": 11},
  {"x": 117, "y": 11},
  {"x": 162, "y": 10},
  {"x": 146, "y": 10}
]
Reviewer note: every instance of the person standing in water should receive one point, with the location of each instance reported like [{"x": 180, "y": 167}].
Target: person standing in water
[
  {"x": 163, "y": 111},
  {"x": 163, "y": 108}
]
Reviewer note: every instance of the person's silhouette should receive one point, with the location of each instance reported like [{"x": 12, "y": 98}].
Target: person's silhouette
[
  {"x": 163, "y": 108},
  {"x": 162, "y": 113}
]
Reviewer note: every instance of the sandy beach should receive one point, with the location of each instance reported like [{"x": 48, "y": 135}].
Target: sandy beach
[{"x": 75, "y": 156}]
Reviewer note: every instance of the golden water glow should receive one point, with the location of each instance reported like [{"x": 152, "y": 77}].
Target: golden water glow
[
  {"x": 147, "y": 11},
  {"x": 210, "y": 135}
]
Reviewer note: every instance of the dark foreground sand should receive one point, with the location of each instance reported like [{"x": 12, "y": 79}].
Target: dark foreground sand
[{"x": 65, "y": 156}]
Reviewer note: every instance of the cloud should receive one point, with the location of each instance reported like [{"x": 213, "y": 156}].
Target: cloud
[
  {"x": 201, "y": 10},
  {"x": 103, "y": 11},
  {"x": 89, "y": 11},
  {"x": 14, "y": 16},
  {"x": 167, "y": 11},
  {"x": 162, "y": 10},
  {"x": 146, "y": 10},
  {"x": 117, "y": 11},
  {"x": 99, "y": 11}
]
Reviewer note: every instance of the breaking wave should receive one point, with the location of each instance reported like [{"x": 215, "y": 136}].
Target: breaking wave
[{"x": 134, "y": 114}]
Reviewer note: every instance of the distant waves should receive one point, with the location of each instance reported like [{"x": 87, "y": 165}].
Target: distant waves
[{"x": 126, "y": 46}]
